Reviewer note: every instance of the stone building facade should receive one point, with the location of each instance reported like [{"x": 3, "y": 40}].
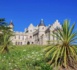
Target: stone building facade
[{"x": 40, "y": 35}]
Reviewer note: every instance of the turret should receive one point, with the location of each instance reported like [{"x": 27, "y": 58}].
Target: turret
[
  {"x": 11, "y": 25},
  {"x": 41, "y": 23},
  {"x": 41, "y": 32},
  {"x": 41, "y": 27}
]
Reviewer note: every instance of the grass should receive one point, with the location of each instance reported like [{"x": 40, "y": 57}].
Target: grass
[{"x": 29, "y": 57}]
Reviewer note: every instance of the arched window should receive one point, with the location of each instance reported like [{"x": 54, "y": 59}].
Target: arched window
[
  {"x": 18, "y": 43},
  {"x": 28, "y": 43},
  {"x": 30, "y": 36},
  {"x": 32, "y": 42},
  {"x": 21, "y": 43},
  {"x": 15, "y": 43}
]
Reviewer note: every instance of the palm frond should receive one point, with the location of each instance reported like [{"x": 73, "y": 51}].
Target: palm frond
[{"x": 65, "y": 52}]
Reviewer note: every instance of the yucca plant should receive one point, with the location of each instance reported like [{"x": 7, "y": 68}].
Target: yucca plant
[
  {"x": 63, "y": 54},
  {"x": 5, "y": 35}
]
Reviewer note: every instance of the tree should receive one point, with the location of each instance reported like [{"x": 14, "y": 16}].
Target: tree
[
  {"x": 2, "y": 23},
  {"x": 63, "y": 54},
  {"x": 5, "y": 36}
]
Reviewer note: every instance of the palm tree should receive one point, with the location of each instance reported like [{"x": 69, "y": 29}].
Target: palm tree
[
  {"x": 5, "y": 36},
  {"x": 2, "y": 23},
  {"x": 63, "y": 54}
]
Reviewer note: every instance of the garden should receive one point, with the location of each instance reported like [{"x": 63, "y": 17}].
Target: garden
[
  {"x": 29, "y": 57},
  {"x": 59, "y": 56}
]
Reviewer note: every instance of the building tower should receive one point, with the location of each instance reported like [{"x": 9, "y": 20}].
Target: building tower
[
  {"x": 42, "y": 29},
  {"x": 11, "y": 25}
]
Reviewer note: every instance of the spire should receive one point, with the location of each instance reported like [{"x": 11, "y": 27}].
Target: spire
[
  {"x": 41, "y": 23},
  {"x": 11, "y": 23}
]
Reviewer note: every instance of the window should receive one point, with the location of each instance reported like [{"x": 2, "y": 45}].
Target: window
[
  {"x": 28, "y": 43},
  {"x": 23, "y": 38},
  {"x": 15, "y": 43},
  {"x": 15, "y": 37},
  {"x": 19, "y": 37},
  {"x": 18, "y": 43},
  {"x": 32, "y": 42},
  {"x": 43, "y": 28},
  {"x": 30, "y": 36},
  {"x": 21, "y": 43},
  {"x": 27, "y": 31},
  {"x": 30, "y": 30}
]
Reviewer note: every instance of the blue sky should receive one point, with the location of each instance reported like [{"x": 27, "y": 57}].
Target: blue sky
[{"x": 24, "y": 12}]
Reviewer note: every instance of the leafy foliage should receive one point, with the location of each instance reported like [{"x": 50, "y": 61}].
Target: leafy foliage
[
  {"x": 5, "y": 35},
  {"x": 63, "y": 54}
]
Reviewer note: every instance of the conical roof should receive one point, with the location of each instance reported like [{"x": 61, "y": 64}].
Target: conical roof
[
  {"x": 11, "y": 23},
  {"x": 41, "y": 23}
]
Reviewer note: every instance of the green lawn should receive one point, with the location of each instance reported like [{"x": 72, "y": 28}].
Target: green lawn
[{"x": 29, "y": 57}]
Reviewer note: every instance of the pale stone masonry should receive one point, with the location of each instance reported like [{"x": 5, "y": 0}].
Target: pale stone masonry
[{"x": 40, "y": 35}]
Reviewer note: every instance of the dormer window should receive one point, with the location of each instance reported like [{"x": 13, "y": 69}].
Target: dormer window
[{"x": 30, "y": 30}]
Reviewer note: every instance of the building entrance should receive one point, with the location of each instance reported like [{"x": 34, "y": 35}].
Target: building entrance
[{"x": 28, "y": 43}]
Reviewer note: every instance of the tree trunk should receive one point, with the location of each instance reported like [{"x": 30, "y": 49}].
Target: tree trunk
[{"x": 5, "y": 49}]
